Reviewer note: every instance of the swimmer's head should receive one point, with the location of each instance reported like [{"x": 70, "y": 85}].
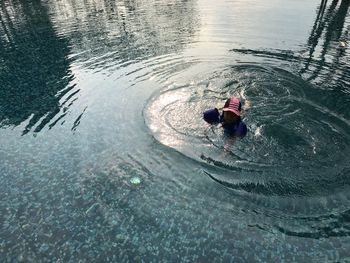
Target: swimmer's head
[
  {"x": 232, "y": 110},
  {"x": 233, "y": 105},
  {"x": 230, "y": 117}
]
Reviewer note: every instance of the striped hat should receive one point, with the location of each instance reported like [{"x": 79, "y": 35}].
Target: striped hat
[{"x": 234, "y": 105}]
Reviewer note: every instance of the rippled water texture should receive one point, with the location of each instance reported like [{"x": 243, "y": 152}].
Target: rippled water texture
[
  {"x": 104, "y": 154},
  {"x": 291, "y": 133}
]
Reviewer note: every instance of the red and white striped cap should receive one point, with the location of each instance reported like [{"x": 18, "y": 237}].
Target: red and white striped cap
[{"x": 234, "y": 105}]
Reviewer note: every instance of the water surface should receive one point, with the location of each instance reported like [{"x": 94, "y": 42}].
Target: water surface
[{"x": 104, "y": 153}]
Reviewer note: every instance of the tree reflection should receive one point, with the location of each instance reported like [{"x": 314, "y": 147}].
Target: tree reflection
[
  {"x": 34, "y": 73},
  {"x": 326, "y": 57},
  {"x": 39, "y": 39},
  {"x": 327, "y": 33},
  {"x": 110, "y": 34}
]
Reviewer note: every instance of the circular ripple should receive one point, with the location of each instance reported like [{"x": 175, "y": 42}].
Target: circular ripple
[{"x": 295, "y": 144}]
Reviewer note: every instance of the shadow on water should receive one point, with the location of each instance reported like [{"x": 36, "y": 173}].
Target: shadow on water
[{"x": 35, "y": 72}]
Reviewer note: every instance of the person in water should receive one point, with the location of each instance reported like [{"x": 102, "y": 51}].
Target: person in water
[{"x": 230, "y": 118}]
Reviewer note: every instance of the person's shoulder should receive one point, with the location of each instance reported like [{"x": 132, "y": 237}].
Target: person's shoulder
[
  {"x": 241, "y": 122},
  {"x": 242, "y": 129}
]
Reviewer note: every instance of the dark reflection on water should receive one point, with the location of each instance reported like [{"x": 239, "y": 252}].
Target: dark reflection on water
[
  {"x": 328, "y": 38},
  {"x": 330, "y": 25},
  {"x": 38, "y": 40},
  {"x": 35, "y": 72}
]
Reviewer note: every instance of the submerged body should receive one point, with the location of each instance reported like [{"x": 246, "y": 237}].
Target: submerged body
[{"x": 233, "y": 126}]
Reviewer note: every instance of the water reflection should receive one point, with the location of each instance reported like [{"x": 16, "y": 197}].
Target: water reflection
[
  {"x": 114, "y": 34},
  {"x": 40, "y": 42},
  {"x": 324, "y": 58},
  {"x": 326, "y": 36},
  {"x": 35, "y": 72},
  {"x": 71, "y": 197}
]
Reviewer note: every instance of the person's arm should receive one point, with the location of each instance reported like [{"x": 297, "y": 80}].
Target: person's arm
[
  {"x": 211, "y": 116},
  {"x": 246, "y": 105},
  {"x": 206, "y": 131}
]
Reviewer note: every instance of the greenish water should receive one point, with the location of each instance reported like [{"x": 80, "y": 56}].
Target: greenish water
[{"x": 104, "y": 156}]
